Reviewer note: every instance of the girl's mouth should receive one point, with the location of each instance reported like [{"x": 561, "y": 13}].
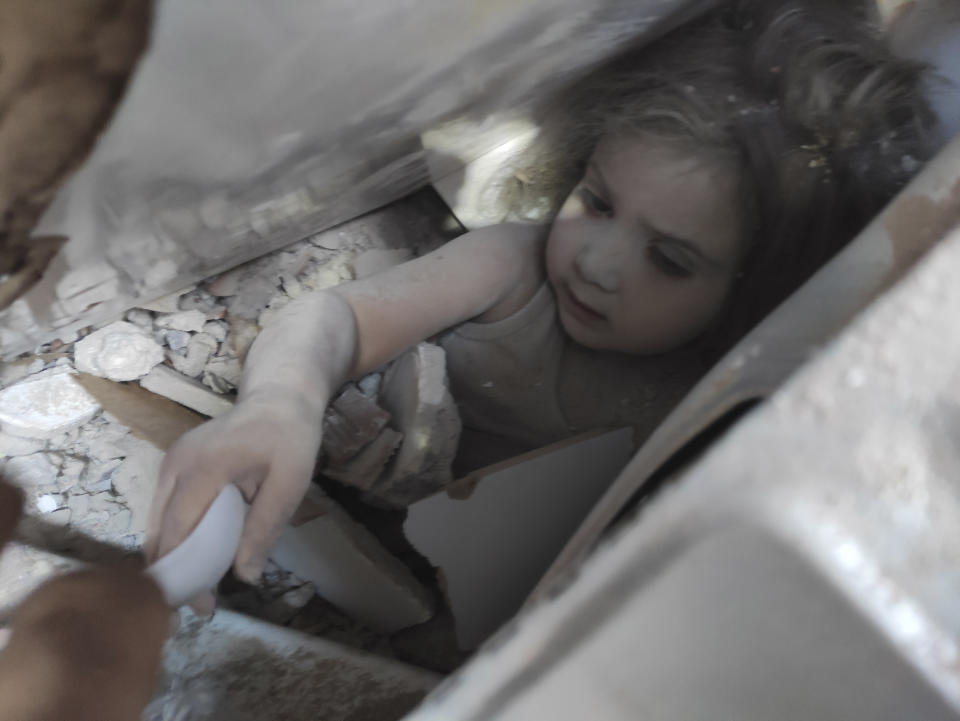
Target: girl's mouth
[{"x": 579, "y": 310}]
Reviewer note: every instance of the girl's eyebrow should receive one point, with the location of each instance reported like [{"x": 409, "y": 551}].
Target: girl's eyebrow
[{"x": 688, "y": 245}]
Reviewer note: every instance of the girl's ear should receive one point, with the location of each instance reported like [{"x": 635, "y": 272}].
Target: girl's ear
[{"x": 11, "y": 502}]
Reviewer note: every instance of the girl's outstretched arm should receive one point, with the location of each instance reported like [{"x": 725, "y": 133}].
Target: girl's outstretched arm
[{"x": 267, "y": 445}]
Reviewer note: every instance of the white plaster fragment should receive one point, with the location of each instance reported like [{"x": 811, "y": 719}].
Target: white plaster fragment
[
  {"x": 217, "y": 329},
  {"x": 48, "y": 503},
  {"x": 45, "y": 405},
  {"x": 188, "y": 320},
  {"x": 185, "y": 391},
  {"x": 199, "y": 350},
  {"x": 119, "y": 352},
  {"x": 14, "y": 446},
  {"x": 176, "y": 340}
]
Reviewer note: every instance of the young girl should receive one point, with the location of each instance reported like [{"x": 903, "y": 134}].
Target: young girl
[{"x": 711, "y": 172}]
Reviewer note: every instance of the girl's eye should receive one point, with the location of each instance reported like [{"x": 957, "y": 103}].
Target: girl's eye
[
  {"x": 594, "y": 203},
  {"x": 666, "y": 264}
]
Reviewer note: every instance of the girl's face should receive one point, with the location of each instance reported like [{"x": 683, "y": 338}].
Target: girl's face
[{"x": 646, "y": 247}]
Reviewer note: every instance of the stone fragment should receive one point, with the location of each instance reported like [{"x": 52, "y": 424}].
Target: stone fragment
[
  {"x": 415, "y": 394},
  {"x": 199, "y": 350},
  {"x": 228, "y": 371},
  {"x": 351, "y": 422},
  {"x": 176, "y": 340},
  {"x": 120, "y": 352},
  {"x": 168, "y": 303},
  {"x": 30, "y": 472},
  {"x": 188, "y": 320},
  {"x": 17, "y": 370},
  {"x": 135, "y": 481},
  {"x": 45, "y": 405},
  {"x": 242, "y": 334},
  {"x": 363, "y": 470},
  {"x": 15, "y": 446},
  {"x": 217, "y": 329},
  {"x": 349, "y": 568},
  {"x": 377, "y": 260},
  {"x": 48, "y": 503},
  {"x": 140, "y": 318},
  {"x": 185, "y": 391}
]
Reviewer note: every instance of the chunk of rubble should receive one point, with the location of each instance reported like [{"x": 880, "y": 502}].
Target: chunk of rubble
[
  {"x": 119, "y": 352},
  {"x": 363, "y": 470},
  {"x": 45, "y": 405},
  {"x": 351, "y": 422},
  {"x": 222, "y": 374},
  {"x": 199, "y": 349},
  {"x": 185, "y": 391},
  {"x": 176, "y": 340},
  {"x": 15, "y": 446},
  {"x": 416, "y": 395},
  {"x": 187, "y": 320},
  {"x": 168, "y": 303},
  {"x": 30, "y": 472},
  {"x": 349, "y": 567}
]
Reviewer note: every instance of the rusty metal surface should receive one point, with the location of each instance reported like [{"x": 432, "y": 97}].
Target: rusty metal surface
[{"x": 808, "y": 566}]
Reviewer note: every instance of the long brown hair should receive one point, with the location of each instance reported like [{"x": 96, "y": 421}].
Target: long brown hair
[{"x": 825, "y": 123}]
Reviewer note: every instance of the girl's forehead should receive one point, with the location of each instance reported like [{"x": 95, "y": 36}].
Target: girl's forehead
[{"x": 676, "y": 190}]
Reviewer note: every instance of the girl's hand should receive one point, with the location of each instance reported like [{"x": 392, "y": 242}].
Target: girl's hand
[{"x": 267, "y": 447}]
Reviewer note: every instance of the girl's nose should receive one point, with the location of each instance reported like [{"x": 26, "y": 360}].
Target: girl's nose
[{"x": 600, "y": 260}]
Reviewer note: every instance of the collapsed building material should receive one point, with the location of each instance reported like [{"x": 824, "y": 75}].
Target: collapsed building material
[
  {"x": 177, "y": 387},
  {"x": 120, "y": 352},
  {"x": 349, "y": 567},
  {"x": 46, "y": 404}
]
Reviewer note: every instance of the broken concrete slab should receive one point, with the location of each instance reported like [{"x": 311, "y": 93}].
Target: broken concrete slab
[
  {"x": 495, "y": 533},
  {"x": 349, "y": 567},
  {"x": 177, "y": 387},
  {"x": 187, "y": 320},
  {"x": 121, "y": 352},
  {"x": 239, "y": 668},
  {"x": 364, "y": 469},
  {"x": 135, "y": 481},
  {"x": 199, "y": 349},
  {"x": 415, "y": 393},
  {"x": 45, "y": 405},
  {"x": 31, "y": 472},
  {"x": 15, "y": 446},
  {"x": 351, "y": 422}
]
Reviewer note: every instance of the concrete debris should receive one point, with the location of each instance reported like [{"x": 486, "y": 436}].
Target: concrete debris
[
  {"x": 120, "y": 352},
  {"x": 351, "y": 422},
  {"x": 140, "y": 317},
  {"x": 185, "y": 391},
  {"x": 45, "y": 405},
  {"x": 416, "y": 395},
  {"x": 363, "y": 470},
  {"x": 350, "y": 568},
  {"x": 242, "y": 334},
  {"x": 135, "y": 480},
  {"x": 14, "y": 446},
  {"x": 17, "y": 370},
  {"x": 176, "y": 340},
  {"x": 377, "y": 260},
  {"x": 222, "y": 374},
  {"x": 48, "y": 503},
  {"x": 30, "y": 472},
  {"x": 188, "y": 320},
  {"x": 217, "y": 329},
  {"x": 199, "y": 349},
  {"x": 168, "y": 303}
]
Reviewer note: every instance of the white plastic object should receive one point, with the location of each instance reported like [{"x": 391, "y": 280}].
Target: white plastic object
[{"x": 198, "y": 564}]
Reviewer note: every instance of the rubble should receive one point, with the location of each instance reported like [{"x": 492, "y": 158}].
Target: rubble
[
  {"x": 176, "y": 340},
  {"x": 120, "y": 352},
  {"x": 140, "y": 318},
  {"x": 35, "y": 471},
  {"x": 14, "y": 446},
  {"x": 187, "y": 320},
  {"x": 199, "y": 349},
  {"x": 350, "y": 568},
  {"x": 416, "y": 395},
  {"x": 45, "y": 405},
  {"x": 351, "y": 422},
  {"x": 185, "y": 391},
  {"x": 363, "y": 470},
  {"x": 222, "y": 374}
]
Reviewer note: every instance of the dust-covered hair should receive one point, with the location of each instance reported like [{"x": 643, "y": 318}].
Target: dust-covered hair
[{"x": 824, "y": 122}]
